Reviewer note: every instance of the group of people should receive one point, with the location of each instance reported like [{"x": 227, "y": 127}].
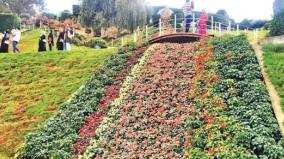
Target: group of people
[
  {"x": 201, "y": 21},
  {"x": 64, "y": 40},
  {"x": 15, "y": 35}
]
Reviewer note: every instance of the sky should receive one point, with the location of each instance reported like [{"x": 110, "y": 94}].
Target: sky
[{"x": 237, "y": 9}]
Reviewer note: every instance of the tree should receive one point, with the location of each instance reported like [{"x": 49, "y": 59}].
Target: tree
[
  {"x": 131, "y": 14},
  {"x": 66, "y": 14},
  {"x": 123, "y": 14},
  {"x": 23, "y": 6},
  {"x": 49, "y": 15},
  {"x": 276, "y": 26},
  {"x": 245, "y": 24},
  {"x": 278, "y": 6},
  {"x": 222, "y": 16},
  {"x": 97, "y": 13},
  {"x": 4, "y": 6}
]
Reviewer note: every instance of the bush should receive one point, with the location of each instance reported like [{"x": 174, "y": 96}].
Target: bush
[
  {"x": 111, "y": 33},
  {"x": 8, "y": 21},
  {"x": 94, "y": 43},
  {"x": 76, "y": 41},
  {"x": 276, "y": 48},
  {"x": 276, "y": 27},
  {"x": 25, "y": 15}
]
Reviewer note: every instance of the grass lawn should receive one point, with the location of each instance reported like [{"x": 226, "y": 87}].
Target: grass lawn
[
  {"x": 274, "y": 63},
  {"x": 32, "y": 85}
]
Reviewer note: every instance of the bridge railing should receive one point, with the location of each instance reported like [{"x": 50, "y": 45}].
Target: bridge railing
[{"x": 177, "y": 26}]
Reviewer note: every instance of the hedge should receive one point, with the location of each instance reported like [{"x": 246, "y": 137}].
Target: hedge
[{"x": 8, "y": 21}]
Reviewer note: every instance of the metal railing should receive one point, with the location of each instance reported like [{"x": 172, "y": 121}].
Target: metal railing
[{"x": 177, "y": 25}]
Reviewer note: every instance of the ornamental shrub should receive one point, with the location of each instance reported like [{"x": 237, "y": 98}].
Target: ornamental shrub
[
  {"x": 8, "y": 21},
  {"x": 94, "y": 43}
]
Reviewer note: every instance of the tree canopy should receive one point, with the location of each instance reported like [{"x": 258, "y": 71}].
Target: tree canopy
[
  {"x": 21, "y": 6},
  {"x": 123, "y": 14},
  {"x": 278, "y": 6},
  {"x": 276, "y": 26}
]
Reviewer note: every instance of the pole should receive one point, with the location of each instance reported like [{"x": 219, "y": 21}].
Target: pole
[
  {"x": 193, "y": 22},
  {"x": 122, "y": 41},
  {"x": 160, "y": 27},
  {"x": 220, "y": 28},
  {"x": 238, "y": 29},
  {"x": 212, "y": 24},
  {"x": 175, "y": 23},
  {"x": 230, "y": 27},
  {"x": 135, "y": 37},
  {"x": 215, "y": 30},
  {"x": 146, "y": 33}
]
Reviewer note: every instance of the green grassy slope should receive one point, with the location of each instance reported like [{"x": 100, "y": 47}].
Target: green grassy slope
[
  {"x": 32, "y": 85},
  {"x": 274, "y": 63}
]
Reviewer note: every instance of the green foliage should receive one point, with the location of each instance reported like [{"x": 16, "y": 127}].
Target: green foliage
[
  {"x": 274, "y": 63},
  {"x": 20, "y": 6},
  {"x": 278, "y": 6},
  {"x": 66, "y": 14},
  {"x": 249, "y": 23},
  {"x": 58, "y": 134},
  {"x": 25, "y": 15},
  {"x": 275, "y": 48},
  {"x": 8, "y": 21},
  {"x": 96, "y": 43},
  {"x": 276, "y": 26},
  {"x": 39, "y": 82},
  {"x": 101, "y": 13},
  {"x": 242, "y": 87},
  {"x": 49, "y": 15}
]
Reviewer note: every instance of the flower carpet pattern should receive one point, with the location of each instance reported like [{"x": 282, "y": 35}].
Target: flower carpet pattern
[{"x": 152, "y": 117}]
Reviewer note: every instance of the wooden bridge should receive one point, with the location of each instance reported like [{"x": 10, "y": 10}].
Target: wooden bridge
[{"x": 177, "y": 38}]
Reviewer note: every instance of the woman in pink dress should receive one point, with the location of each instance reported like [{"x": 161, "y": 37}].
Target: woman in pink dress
[{"x": 202, "y": 23}]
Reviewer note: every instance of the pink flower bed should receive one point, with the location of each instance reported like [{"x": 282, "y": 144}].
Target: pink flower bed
[
  {"x": 88, "y": 131},
  {"x": 151, "y": 120}
]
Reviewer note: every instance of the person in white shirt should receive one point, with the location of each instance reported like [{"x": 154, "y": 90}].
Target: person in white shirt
[
  {"x": 188, "y": 11},
  {"x": 16, "y": 39}
]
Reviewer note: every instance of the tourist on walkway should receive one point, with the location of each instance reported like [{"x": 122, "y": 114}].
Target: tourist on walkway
[
  {"x": 50, "y": 40},
  {"x": 5, "y": 42},
  {"x": 202, "y": 23},
  {"x": 42, "y": 42},
  {"x": 16, "y": 39},
  {"x": 188, "y": 12},
  {"x": 60, "y": 40}
]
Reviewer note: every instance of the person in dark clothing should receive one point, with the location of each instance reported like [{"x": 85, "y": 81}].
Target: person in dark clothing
[
  {"x": 42, "y": 43},
  {"x": 50, "y": 40},
  {"x": 60, "y": 40},
  {"x": 5, "y": 42}
]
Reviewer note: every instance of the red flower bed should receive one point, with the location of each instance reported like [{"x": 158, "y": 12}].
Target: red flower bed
[
  {"x": 152, "y": 118},
  {"x": 87, "y": 132}
]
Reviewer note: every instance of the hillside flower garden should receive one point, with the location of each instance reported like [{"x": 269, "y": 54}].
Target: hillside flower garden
[{"x": 194, "y": 100}]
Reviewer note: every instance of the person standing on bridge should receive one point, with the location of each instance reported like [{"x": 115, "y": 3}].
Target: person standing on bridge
[
  {"x": 202, "y": 23},
  {"x": 188, "y": 12}
]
